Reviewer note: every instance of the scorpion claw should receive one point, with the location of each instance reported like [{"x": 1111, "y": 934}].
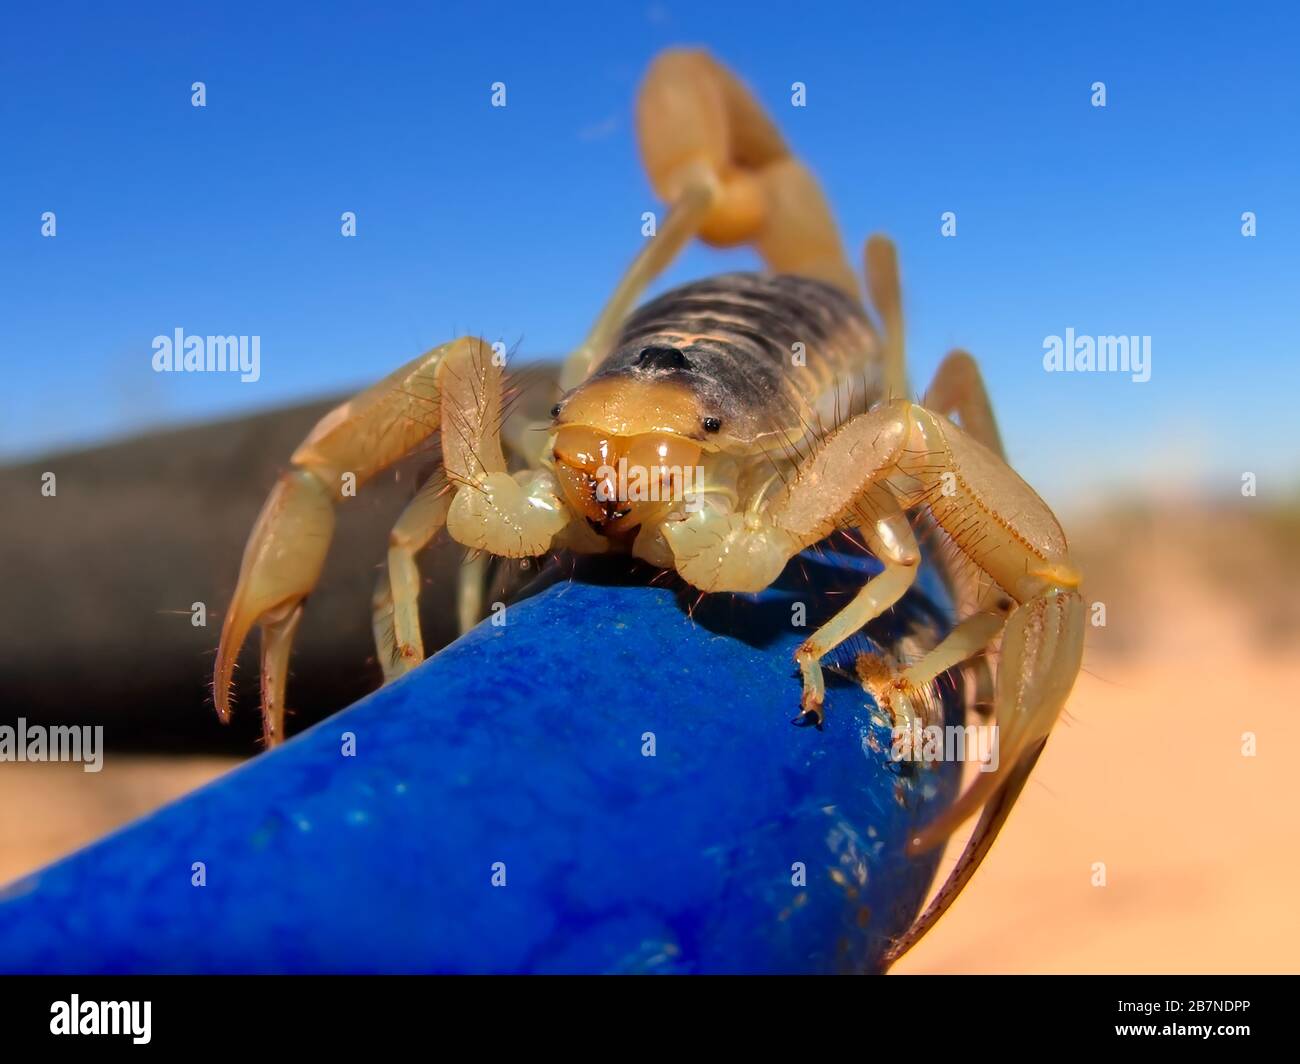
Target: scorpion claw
[{"x": 281, "y": 564}]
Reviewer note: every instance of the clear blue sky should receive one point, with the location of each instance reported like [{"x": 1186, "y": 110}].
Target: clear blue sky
[{"x": 515, "y": 222}]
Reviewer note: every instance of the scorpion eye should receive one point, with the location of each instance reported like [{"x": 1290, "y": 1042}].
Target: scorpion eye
[
  {"x": 555, "y": 410},
  {"x": 662, "y": 357},
  {"x": 712, "y": 424}
]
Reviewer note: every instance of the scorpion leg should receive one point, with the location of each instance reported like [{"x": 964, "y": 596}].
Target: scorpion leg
[
  {"x": 844, "y": 479},
  {"x": 471, "y": 590},
  {"x": 958, "y": 393},
  {"x": 902, "y": 693},
  {"x": 484, "y": 507},
  {"x": 288, "y": 544},
  {"x": 881, "y": 265},
  {"x": 1041, "y": 652},
  {"x": 890, "y": 539},
  {"x": 395, "y": 615},
  {"x": 470, "y": 391},
  {"x": 958, "y": 388},
  {"x": 475, "y": 391},
  {"x": 966, "y": 640},
  {"x": 395, "y": 618}
]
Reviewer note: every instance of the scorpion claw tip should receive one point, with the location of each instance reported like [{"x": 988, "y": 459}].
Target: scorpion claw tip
[
  {"x": 808, "y": 718},
  {"x": 221, "y": 702}
]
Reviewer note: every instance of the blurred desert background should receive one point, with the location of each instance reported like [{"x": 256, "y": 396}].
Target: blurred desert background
[
  {"x": 349, "y": 201},
  {"x": 1145, "y": 773}
]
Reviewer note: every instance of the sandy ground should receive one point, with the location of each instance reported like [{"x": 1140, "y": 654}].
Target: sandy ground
[
  {"x": 49, "y": 810},
  {"x": 1145, "y": 774}
]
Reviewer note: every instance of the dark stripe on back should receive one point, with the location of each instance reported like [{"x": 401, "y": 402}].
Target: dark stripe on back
[{"x": 743, "y": 373}]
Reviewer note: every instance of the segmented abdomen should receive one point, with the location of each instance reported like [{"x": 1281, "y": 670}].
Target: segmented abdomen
[{"x": 773, "y": 353}]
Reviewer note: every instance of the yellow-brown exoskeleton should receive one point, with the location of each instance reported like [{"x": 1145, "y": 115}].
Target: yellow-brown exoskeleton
[{"x": 760, "y": 412}]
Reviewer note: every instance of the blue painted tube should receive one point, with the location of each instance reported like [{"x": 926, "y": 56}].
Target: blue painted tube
[{"x": 520, "y": 754}]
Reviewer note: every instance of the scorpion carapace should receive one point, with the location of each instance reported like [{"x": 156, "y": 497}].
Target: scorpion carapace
[
  {"x": 755, "y": 415},
  {"x": 700, "y": 381},
  {"x": 734, "y": 341}
]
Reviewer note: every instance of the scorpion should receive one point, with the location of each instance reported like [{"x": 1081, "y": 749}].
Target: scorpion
[{"x": 782, "y": 395}]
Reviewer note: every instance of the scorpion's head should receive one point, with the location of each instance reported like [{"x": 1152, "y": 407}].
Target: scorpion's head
[{"x": 628, "y": 441}]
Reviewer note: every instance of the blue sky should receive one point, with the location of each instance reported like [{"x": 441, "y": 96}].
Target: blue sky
[{"x": 515, "y": 222}]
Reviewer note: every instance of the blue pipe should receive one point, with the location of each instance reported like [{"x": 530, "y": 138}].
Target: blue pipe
[{"x": 608, "y": 781}]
